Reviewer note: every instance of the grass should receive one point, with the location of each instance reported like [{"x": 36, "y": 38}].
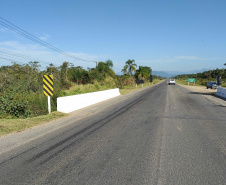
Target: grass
[
  {"x": 185, "y": 82},
  {"x": 16, "y": 125},
  {"x": 82, "y": 89},
  {"x": 108, "y": 83}
]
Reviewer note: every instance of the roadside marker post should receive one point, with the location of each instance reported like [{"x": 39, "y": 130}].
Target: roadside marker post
[
  {"x": 49, "y": 105},
  {"x": 48, "y": 88}
]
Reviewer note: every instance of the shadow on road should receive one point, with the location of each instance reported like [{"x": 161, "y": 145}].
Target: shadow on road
[{"x": 203, "y": 93}]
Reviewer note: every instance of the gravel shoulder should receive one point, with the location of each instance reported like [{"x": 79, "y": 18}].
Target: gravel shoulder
[
  {"x": 207, "y": 93},
  {"x": 201, "y": 89}
]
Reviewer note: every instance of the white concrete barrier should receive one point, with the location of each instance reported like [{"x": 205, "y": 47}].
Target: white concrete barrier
[
  {"x": 69, "y": 104},
  {"x": 221, "y": 92}
]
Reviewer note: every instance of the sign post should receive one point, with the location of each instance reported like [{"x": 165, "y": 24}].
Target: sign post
[
  {"x": 151, "y": 79},
  {"x": 49, "y": 105},
  {"x": 191, "y": 80},
  {"x": 48, "y": 88}
]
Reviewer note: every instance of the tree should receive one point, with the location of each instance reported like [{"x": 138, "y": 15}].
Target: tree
[
  {"x": 143, "y": 72},
  {"x": 64, "y": 69},
  {"x": 51, "y": 69},
  {"x": 78, "y": 75},
  {"x": 109, "y": 64},
  {"x": 105, "y": 68},
  {"x": 130, "y": 67},
  {"x": 124, "y": 70}
]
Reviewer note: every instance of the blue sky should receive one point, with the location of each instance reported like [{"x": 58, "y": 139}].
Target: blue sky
[{"x": 166, "y": 35}]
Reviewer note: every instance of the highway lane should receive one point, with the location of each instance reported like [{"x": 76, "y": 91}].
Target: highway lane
[{"x": 162, "y": 135}]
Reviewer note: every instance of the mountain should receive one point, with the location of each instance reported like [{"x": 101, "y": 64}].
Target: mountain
[
  {"x": 162, "y": 74},
  {"x": 168, "y": 74}
]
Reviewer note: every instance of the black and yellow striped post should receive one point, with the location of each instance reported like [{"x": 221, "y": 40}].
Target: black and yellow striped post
[
  {"x": 48, "y": 85},
  {"x": 48, "y": 88}
]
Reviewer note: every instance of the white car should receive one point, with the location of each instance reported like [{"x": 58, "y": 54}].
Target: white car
[{"x": 171, "y": 81}]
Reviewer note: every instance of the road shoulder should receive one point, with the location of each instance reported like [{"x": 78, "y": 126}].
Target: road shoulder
[{"x": 207, "y": 93}]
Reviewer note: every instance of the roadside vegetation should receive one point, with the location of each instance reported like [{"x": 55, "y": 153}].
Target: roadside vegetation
[
  {"x": 201, "y": 79},
  {"x": 16, "y": 125},
  {"x": 24, "y": 105},
  {"x": 21, "y": 86}
]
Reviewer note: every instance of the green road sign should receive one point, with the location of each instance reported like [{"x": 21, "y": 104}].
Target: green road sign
[{"x": 191, "y": 79}]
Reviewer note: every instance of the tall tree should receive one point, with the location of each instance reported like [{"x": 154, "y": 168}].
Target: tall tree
[
  {"x": 64, "y": 69},
  {"x": 130, "y": 66},
  {"x": 106, "y": 68},
  {"x": 124, "y": 70},
  {"x": 143, "y": 72}
]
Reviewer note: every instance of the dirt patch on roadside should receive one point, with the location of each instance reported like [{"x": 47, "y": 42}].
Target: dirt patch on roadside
[
  {"x": 201, "y": 89},
  {"x": 208, "y": 93}
]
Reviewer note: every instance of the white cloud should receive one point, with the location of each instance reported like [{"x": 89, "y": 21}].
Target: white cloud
[
  {"x": 182, "y": 63},
  {"x": 44, "y": 55},
  {"x": 44, "y": 37},
  {"x": 195, "y": 58},
  {"x": 187, "y": 58}
]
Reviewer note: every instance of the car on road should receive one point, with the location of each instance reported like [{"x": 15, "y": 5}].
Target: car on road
[
  {"x": 171, "y": 81},
  {"x": 212, "y": 85}
]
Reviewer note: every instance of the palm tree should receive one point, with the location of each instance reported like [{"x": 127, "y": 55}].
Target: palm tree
[
  {"x": 106, "y": 68},
  {"x": 130, "y": 66},
  {"x": 109, "y": 63},
  {"x": 124, "y": 70}
]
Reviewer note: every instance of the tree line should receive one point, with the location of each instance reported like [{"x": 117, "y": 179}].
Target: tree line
[
  {"x": 206, "y": 76},
  {"x": 21, "y": 86},
  {"x": 211, "y": 74}
]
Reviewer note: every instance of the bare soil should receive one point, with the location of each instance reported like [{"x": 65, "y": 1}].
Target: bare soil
[
  {"x": 201, "y": 89},
  {"x": 207, "y": 93}
]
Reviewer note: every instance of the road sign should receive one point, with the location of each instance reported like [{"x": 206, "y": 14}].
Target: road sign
[
  {"x": 48, "y": 85},
  {"x": 191, "y": 79},
  {"x": 151, "y": 78}
]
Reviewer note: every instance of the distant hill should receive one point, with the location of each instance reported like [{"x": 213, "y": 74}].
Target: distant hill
[
  {"x": 169, "y": 74},
  {"x": 162, "y": 74}
]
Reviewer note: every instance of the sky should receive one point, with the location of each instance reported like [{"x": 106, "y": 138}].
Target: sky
[{"x": 166, "y": 35}]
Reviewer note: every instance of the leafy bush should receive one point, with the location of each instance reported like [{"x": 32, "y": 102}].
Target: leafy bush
[{"x": 10, "y": 108}]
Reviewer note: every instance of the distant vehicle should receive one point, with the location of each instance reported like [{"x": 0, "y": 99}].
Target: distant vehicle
[
  {"x": 212, "y": 85},
  {"x": 171, "y": 81}
]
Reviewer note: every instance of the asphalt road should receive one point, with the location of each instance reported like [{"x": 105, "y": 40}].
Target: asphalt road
[{"x": 160, "y": 135}]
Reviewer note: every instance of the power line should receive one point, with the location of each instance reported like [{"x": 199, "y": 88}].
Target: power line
[
  {"x": 15, "y": 61},
  {"x": 12, "y": 60},
  {"x": 24, "y": 33},
  {"x": 21, "y": 56}
]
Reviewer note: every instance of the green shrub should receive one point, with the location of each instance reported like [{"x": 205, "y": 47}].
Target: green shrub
[
  {"x": 10, "y": 108},
  {"x": 97, "y": 86}
]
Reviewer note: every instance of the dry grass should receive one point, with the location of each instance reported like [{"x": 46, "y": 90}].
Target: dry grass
[
  {"x": 185, "y": 82},
  {"x": 17, "y": 125}
]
